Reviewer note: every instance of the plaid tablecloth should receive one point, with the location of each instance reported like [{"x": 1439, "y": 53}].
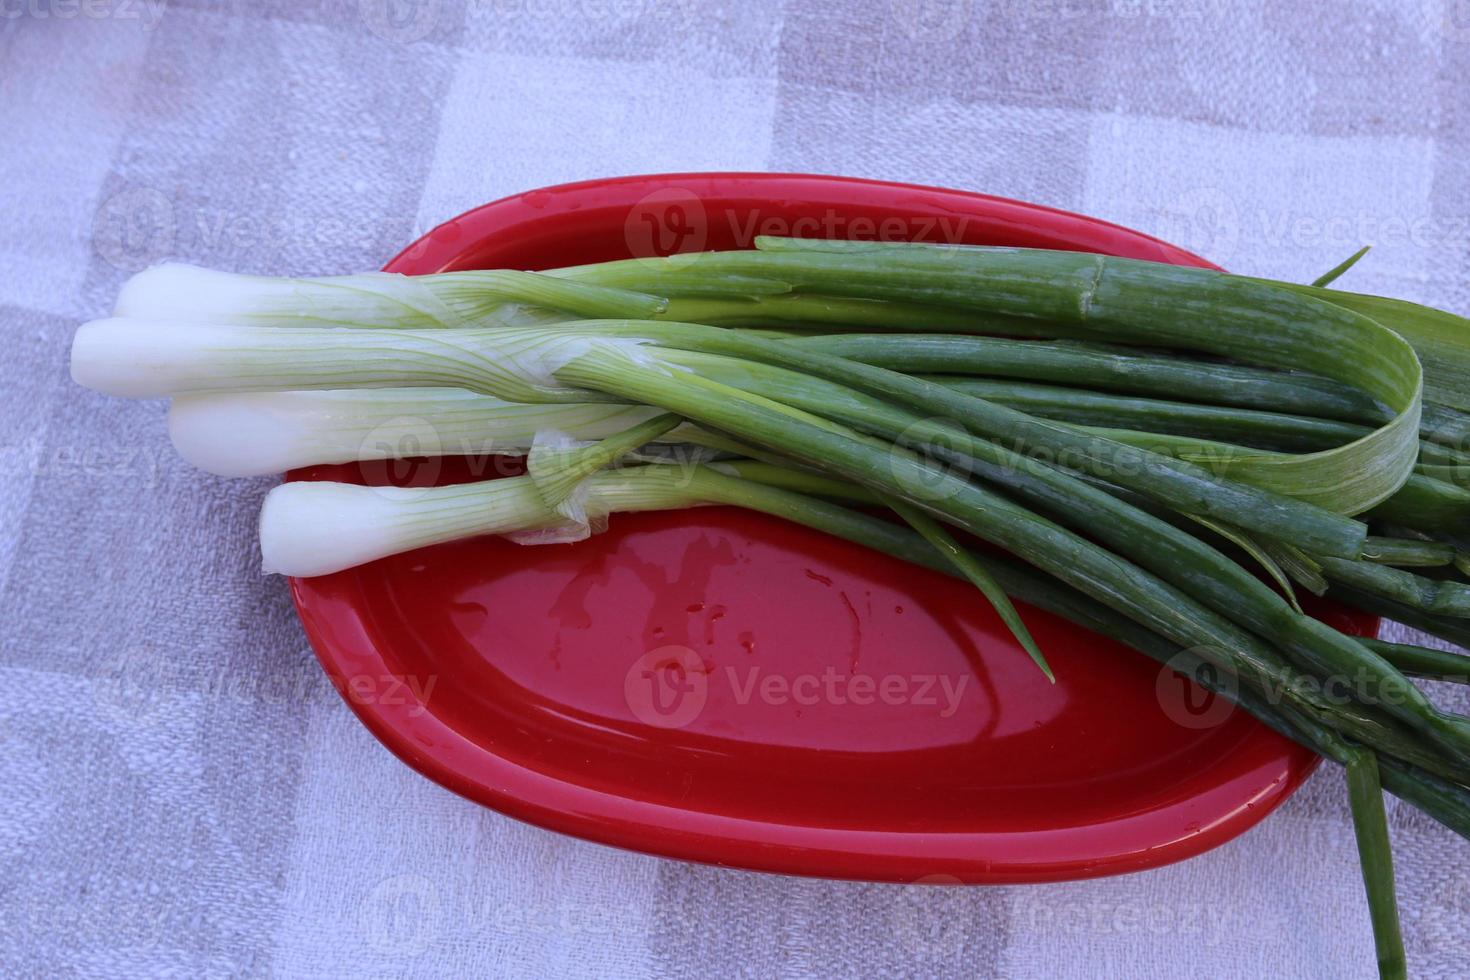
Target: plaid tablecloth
[{"x": 181, "y": 793}]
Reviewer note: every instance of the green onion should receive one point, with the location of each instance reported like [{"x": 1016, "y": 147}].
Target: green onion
[
  {"x": 1414, "y": 591},
  {"x": 1141, "y": 434},
  {"x": 1417, "y": 661},
  {"x": 1451, "y": 628},
  {"x": 258, "y": 433},
  {"x": 185, "y": 293},
  {"x": 1108, "y": 367},
  {"x": 1426, "y": 504},
  {"x": 1191, "y": 488},
  {"x": 149, "y": 359},
  {"x": 1258, "y": 552},
  {"x": 316, "y": 528},
  {"x": 1402, "y": 552},
  {"x": 1178, "y": 559},
  {"x": 559, "y": 469},
  {"x": 1092, "y": 570},
  {"x": 1299, "y": 566},
  {"x": 554, "y": 362},
  {"x": 1438, "y": 338},
  {"x": 977, "y": 574},
  {"x": 1098, "y": 298},
  {"x": 1371, "y": 825},
  {"x": 1267, "y": 430},
  {"x": 1331, "y": 275},
  {"x": 349, "y": 522}
]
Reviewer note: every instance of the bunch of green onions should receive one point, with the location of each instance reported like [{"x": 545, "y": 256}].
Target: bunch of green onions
[{"x": 1168, "y": 453}]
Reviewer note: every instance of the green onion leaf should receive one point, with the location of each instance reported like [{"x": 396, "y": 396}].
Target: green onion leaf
[
  {"x": 976, "y": 573},
  {"x": 1331, "y": 275},
  {"x": 558, "y": 470},
  {"x": 1365, "y": 794}
]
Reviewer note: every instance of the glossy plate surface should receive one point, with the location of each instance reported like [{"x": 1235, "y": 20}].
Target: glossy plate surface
[{"x": 717, "y": 686}]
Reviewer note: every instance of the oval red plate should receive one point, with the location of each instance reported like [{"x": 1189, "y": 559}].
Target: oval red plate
[{"x": 718, "y": 686}]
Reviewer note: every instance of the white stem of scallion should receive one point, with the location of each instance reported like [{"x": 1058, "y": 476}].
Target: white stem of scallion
[
  {"x": 149, "y": 359},
  {"x": 256, "y": 433},
  {"x": 316, "y": 528},
  {"x": 495, "y": 297}
]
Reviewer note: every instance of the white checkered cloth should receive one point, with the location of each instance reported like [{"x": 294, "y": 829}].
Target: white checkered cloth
[{"x": 181, "y": 793}]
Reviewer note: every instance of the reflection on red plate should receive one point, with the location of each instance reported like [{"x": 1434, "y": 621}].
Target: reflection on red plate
[{"x": 719, "y": 686}]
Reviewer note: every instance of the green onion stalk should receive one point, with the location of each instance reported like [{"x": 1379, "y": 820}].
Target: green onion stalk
[
  {"x": 524, "y": 364},
  {"x": 315, "y": 528}
]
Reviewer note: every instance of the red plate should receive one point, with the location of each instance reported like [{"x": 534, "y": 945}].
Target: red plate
[{"x": 717, "y": 686}]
